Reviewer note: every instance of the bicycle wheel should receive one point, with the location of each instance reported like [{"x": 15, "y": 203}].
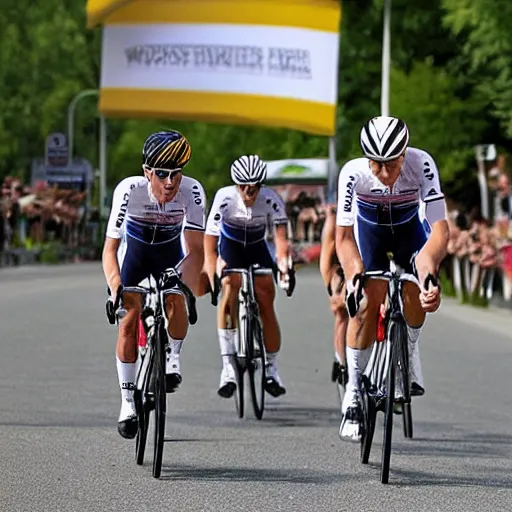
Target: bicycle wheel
[
  {"x": 143, "y": 411},
  {"x": 393, "y": 340},
  {"x": 369, "y": 419},
  {"x": 256, "y": 366},
  {"x": 160, "y": 396},
  {"x": 403, "y": 368},
  {"x": 240, "y": 363}
]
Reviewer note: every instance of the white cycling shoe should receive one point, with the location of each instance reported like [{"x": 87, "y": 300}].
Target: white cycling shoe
[
  {"x": 227, "y": 386},
  {"x": 273, "y": 383},
  {"x": 350, "y": 427},
  {"x": 127, "y": 422},
  {"x": 172, "y": 373}
]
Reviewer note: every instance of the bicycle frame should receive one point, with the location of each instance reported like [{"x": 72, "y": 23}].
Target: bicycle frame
[
  {"x": 247, "y": 303},
  {"x": 396, "y": 278}
]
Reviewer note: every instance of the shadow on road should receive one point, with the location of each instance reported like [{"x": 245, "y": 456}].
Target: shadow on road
[
  {"x": 300, "y": 416},
  {"x": 491, "y": 478},
  {"x": 292, "y": 475}
]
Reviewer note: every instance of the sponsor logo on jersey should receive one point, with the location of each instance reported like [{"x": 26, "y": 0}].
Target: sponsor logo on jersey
[
  {"x": 427, "y": 171},
  {"x": 122, "y": 210},
  {"x": 196, "y": 193},
  {"x": 347, "y": 207}
]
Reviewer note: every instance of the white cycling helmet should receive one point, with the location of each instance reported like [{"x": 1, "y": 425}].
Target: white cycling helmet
[
  {"x": 384, "y": 138},
  {"x": 248, "y": 170}
]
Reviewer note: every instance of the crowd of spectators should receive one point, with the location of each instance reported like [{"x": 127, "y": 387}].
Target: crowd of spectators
[
  {"x": 30, "y": 216},
  {"x": 480, "y": 249}
]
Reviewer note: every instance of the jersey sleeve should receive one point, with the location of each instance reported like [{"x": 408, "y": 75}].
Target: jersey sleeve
[
  {"x": 120, "y": 200},
  {"x": 430, "y": 190},
  {"x": 276, "y": 209},
  {"x": 195, "y": 217},
  {"x": 215, "y": 216},
  {"x": 347, "y": 182}
]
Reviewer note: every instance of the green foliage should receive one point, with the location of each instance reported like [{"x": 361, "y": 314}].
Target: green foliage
[{"x": 451, "y": 81}]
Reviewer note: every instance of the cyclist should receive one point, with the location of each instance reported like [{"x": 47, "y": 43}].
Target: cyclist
[
  {"x": 151, "y": 212},
  {"x": 388, "y": 184},
  {"x": 332, "y": 275},
  {"x": 235, "y": 238}
]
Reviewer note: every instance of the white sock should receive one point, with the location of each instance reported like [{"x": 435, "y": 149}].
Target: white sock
[
  {"x": 272, "y": 359},
  {"x": 356, "y": 363},
  {"x": 415, "y": 371},
  {"x": 126, "y": 374},
  {"x": 338, "y": 358},
  {"x": 227, "y": 339},
  {"x": 174, "y": 345}
]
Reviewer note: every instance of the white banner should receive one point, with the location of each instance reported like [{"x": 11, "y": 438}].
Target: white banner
[{"x": 282, "y": 62}]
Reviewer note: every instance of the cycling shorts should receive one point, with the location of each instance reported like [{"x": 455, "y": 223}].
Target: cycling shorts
[
  {"x": 238, "y": 255},
  {"x": 142, "y": 260},
  {"x": 403, "y": 240}
]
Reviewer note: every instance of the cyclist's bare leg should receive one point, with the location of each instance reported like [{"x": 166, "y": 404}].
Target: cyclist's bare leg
[
  {"x": 361, "y": 333},
  {"x": 176, "y": 311},
  {"x": 126, "y": 352},
  {"x": 415, "y": 318},
  {"x": 227, "y": 315},
  {"x": 265, "y": 292},
  {"x": 339, "y": 310}
]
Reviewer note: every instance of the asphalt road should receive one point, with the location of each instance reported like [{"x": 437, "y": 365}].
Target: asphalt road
[{"x": 59, "y": 402}]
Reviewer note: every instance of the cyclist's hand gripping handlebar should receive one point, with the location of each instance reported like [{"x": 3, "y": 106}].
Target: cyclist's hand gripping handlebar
[
  {"x": 113, "y": 305},
  {"x": 171, "y": 279},
  {"x": 355, "y": 294}
]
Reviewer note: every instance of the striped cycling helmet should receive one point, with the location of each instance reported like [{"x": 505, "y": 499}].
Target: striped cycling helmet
[
  {"x": 248, "y": 170},
  {"x": 166, "y": 150},
  {"x": 384, "y": 138}
]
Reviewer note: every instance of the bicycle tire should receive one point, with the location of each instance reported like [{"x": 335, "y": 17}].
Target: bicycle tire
[
  {"x": 239, "y": 394},
  {"x": 369, "y": 420},
  {"x": 390, "y": 399},
  {"x": 143, "y": 414},
  {"x": 256, "y": 361},
  {"x": 142, "y": 434},
  {"x": 160, "y": 397},
  {"x": 403, "y": 365}
]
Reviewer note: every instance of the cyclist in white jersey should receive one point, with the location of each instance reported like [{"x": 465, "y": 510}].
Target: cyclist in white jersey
[
  {"x": 235, "y": 238},
  {"x": 150, "y": 212},
  {"x": 388, "y": 186}
]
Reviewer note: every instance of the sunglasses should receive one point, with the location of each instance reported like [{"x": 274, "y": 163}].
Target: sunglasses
[
  {"x": 250, "y": 189},
  {"x": 163, "y": 174}
]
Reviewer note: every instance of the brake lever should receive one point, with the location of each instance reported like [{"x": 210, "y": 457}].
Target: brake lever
[{"x": 216, "y": 290}]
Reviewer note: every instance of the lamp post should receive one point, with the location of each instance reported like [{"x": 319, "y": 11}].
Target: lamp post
[
  {"x": 71, "y": 118},
  {"x": 386, "y": 59}
]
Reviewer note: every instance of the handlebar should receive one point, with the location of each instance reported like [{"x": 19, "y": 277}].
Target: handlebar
[
  {"x": 354, "y": 299},
  {"x": 168, "y": 281}
]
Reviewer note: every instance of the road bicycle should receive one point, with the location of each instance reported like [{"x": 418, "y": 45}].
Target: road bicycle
[
  {"x": 387, "y": 370},
  {"x": 150, "y": 393}
]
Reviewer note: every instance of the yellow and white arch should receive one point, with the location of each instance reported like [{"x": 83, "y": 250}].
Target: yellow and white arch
[{"x": 255, "y": 62}]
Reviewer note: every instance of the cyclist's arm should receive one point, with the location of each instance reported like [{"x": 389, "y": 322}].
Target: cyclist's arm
[
  {"x": 346, "y": 246},
  {"x": 110, "y": 263},
  {"x": 191, "y": 266},
  {"x": 211, "y": 237},
  {"x": 328, "y": 246},
  {"x": 114, "y": 234},
  {"x": 280, "y": 222},
  {"x": 436, "y": 247}
]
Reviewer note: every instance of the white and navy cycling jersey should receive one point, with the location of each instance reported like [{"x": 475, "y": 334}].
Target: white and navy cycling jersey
[
  {"x": 135, "y": 209},
  {"x": 230, "y": 218},
  {"x": 376, "y": 203},
  {"x": 388, "y": 219}
]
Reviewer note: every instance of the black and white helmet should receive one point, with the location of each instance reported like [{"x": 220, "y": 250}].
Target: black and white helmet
[
  {"x": 384, "y": 138},
  {"x": 248, "y": 170}
]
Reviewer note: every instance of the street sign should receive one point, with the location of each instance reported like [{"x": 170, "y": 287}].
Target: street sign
[{"x": 56, "y": 150}]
